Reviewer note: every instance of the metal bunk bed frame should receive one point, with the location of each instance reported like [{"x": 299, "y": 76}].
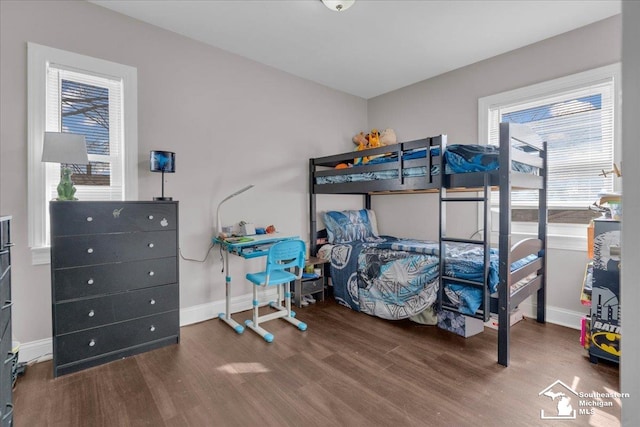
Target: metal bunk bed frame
[{"x": 531, "y": 277}]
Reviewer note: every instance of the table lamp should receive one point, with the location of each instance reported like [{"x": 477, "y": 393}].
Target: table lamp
[
  {"x": 219, "y": 230},
  {"x": 162, "y": 161},
  {"x": 66, "y": 149}
]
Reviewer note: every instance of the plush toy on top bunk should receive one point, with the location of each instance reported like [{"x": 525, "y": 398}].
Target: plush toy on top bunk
[{"x": 373, "y": 139}]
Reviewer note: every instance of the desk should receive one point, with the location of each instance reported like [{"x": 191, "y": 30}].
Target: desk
[{"x": 257, "y": 247}]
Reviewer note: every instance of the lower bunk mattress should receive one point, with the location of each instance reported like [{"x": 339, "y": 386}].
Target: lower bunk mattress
[{"x": 396, "y": 278}]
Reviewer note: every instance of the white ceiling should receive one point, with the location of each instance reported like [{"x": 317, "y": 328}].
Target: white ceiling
[{"x": 374, "y": 47}]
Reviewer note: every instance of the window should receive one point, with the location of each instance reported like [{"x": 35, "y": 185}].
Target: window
[
  {"x": 79, "y": 94},
  {"x": 578, "y": 117}
]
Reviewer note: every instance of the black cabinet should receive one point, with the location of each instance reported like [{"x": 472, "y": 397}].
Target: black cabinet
[
  {"x": 114, "y": 280},
  {"x": 7, "y": 358}
]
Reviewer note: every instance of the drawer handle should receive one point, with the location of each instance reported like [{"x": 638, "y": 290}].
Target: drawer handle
[
  {"x": 150, "y": 245},
  {"x": 152, "y": 302},
  {"x": 92, "y": 313},
  {"x": 151, "y": 273},
  {"x": 89, "y": 218},
  {"x": 150, "y": 217},
  {"x": 90, "y": 282},
  {"x": 11, "y": 358},
  {"x": 92, "y": 343},
  {"x": 90, "y": 250},
  {"x": 152, "y": 328},
  {"x": 8, "y": 414}
]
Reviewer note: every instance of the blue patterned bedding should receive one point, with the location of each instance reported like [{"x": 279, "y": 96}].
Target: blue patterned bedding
[
  {"x": 384, "y": 282},
  {"x": 398, "y": 278}
]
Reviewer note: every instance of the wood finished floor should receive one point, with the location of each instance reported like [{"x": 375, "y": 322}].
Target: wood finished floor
[{"x": 347, "y": 369}]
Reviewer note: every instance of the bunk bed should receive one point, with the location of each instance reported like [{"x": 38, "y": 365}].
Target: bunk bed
[{"x": 499, "y": 279}]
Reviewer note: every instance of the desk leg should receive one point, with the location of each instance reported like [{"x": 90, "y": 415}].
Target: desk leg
[{"x": 226, "y": 316}]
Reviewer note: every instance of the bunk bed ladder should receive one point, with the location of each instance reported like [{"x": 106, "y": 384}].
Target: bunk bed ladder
[{"x": 484, "y": 311}]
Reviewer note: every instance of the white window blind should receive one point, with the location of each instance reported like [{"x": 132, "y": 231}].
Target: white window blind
[
  {"x": 578, "y": 125},
  {"x": 90, "y": 105}
]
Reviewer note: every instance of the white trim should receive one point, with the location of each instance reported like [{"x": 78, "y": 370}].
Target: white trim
[
  {"x": 36, "y": 351},
  {"x": 556, "y": 315},
  {"x": 210, "y": 310},
  {"x": 38, "y": 57},
  {"x": 570, "y": 237}
]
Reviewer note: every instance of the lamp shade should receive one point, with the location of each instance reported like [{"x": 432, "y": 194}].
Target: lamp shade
[
  {"x": 162, "y": 161},
  {"x": 62, "y": 147}
]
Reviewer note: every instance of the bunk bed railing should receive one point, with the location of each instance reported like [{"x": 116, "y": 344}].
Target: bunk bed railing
[{"x": 325, "y": 167}]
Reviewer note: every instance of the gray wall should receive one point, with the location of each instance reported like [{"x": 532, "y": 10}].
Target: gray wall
[
  {"x": 630, "y": 364},
  {"x": 449, "y": 104},
  {"x": 231, "y": 121}
]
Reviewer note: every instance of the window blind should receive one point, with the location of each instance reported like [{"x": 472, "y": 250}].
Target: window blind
[
  {"x": 578, "y": 126},
  {"x": 90, "y": 105}
]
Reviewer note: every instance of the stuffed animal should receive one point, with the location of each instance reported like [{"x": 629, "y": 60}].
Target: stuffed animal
[
  {"x": 374, "y": 138},
  {"x": 388, "y": 137},
  {"x": 360, "y": 139}
]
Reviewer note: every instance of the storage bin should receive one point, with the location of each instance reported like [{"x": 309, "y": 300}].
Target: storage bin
[{"x": 459, "y": 323}]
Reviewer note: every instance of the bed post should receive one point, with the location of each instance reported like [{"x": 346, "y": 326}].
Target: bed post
[
  {"x": 313, "y": 239},
  {"x": 542, "y": 235},
  {"x": 504, "y": 245}
]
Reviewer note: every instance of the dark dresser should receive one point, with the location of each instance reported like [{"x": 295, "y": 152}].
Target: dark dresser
[
  {"x": 114, "y": 280},
  {"x": 7, "y": 358}
]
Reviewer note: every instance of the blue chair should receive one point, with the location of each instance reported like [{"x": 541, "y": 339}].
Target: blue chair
[{"x": 284, "y": 258}]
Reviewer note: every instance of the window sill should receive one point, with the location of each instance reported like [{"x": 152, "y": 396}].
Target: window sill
[
  {"x": 568, "y": 237},
  {"x": 41, "y": 255}
]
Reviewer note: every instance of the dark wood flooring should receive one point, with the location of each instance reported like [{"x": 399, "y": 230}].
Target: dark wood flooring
[{"x": 347, "y": 369}]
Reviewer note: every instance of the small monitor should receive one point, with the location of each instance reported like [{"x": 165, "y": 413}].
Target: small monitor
[{"x": 162, "y": 161}]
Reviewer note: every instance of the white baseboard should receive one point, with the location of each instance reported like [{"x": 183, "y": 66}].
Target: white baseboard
[
  {"x": 202, "y": 312},
  {"x": 558, "y": 316},
  {"x": 41, "y": 350},
  {"x": 35, "y": 351}
]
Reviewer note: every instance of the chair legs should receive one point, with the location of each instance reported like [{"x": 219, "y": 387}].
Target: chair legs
[{"x": 282, "y": 312}]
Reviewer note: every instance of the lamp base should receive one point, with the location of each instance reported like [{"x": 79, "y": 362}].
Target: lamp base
[
  {"x": 166, "y": 199},
  {"x": 66, "y": 189}
]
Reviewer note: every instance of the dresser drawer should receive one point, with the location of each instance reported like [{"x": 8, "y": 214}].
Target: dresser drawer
[
  {"x": 5, "y": 318},
  {"x": 5, "y": 261},
  {"x": 73, "y": 251},
  {"x": 94, "y": 280},
  {"x": 92, "y": 312},
  {"x": 6, "y": 380},
  {"x": 5, "y": 235},
  {"x": 5, "y": 286},
  {"x": 96, "y": 342},
  {"x": 75, "y": 218}
]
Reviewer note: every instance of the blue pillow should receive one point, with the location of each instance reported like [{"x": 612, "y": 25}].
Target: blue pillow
[{"x": 350, "y": 226}]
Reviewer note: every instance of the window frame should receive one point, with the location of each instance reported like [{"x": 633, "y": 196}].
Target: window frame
[
  {"x": 560, "y": 236},
  {"x": 38, "y": 59}
]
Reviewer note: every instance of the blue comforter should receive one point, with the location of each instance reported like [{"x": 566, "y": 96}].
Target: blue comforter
[
  {"x": 398, "y": 278},
  {"x": 381, "y": 281}
]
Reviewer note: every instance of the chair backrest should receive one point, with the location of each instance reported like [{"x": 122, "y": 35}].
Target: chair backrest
[{"x": 285, "y": 255}]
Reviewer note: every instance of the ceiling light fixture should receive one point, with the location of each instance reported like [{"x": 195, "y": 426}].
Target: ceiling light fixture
[{"x": 338, "y": 5}]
